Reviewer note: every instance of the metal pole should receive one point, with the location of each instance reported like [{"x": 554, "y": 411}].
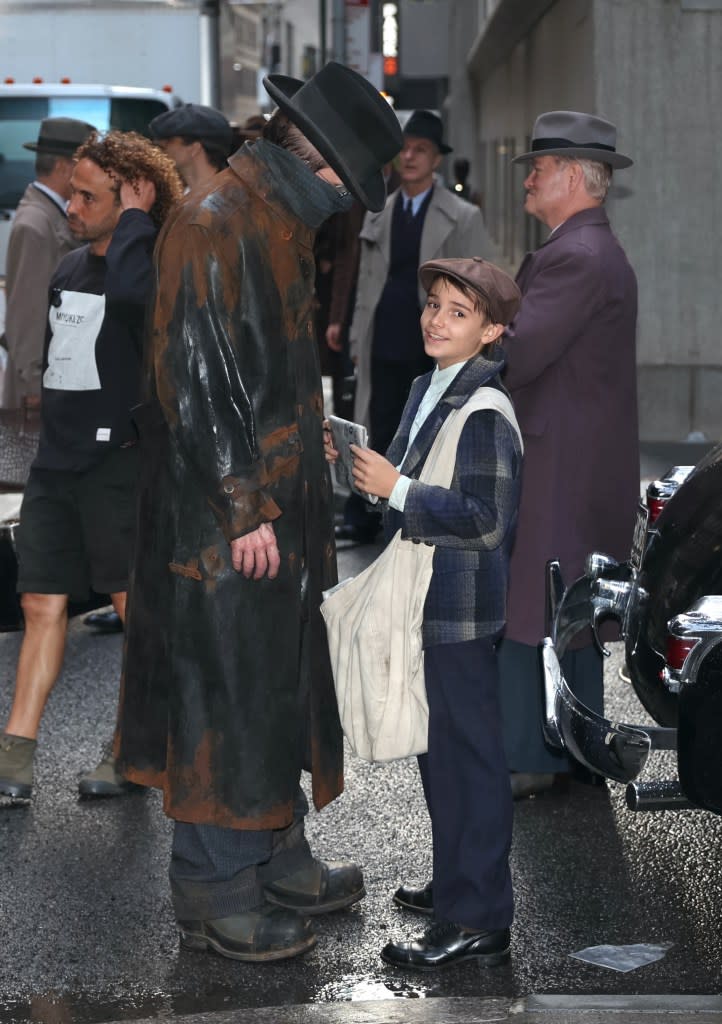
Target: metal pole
[
  {"x": 323, "y": 18},
  {"x": 338, "y": 26},
  {"x": 210, "y": 70}
]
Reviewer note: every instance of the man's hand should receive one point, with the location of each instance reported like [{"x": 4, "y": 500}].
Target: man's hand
[
  {"x": 137, "y": 195},
  {"x": 333, "y": 337},
  {"x": 256, "y": 554},
  {"x": 328, "y": 449},
  {"x": 373, "y": 473}
]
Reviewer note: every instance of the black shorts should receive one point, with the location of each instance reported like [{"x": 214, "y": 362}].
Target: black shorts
[{"x": 76, "y": 529}]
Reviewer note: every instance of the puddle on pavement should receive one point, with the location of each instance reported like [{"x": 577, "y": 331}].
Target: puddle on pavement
[
  {"x": 352, "y": 988},
  {"x": 52, "y": 1008},
  {"x": 72, "y": 1009}
]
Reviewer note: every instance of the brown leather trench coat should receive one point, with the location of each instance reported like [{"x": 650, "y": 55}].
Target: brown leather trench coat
[{"x": 227, "y": 689}]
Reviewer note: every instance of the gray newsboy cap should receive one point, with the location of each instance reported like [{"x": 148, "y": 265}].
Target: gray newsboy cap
[
  {"x": 60, "y": 136},
  {"x": 570, "y": 133},
  {"x": 499, "y": 290},
  {"x": 193, "y": 121}
]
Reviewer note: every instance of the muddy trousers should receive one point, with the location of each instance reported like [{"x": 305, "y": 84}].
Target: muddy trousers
[{"x": 215, "y": 872}]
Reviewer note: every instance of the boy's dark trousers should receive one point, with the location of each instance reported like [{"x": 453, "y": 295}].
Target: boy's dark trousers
[{"x": 466, "y": 784}]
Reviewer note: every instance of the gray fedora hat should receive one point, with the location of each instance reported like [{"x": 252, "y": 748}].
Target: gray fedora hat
[
  {"x": 60, "y": 136},
  {"x": 348, "y": 121},
  {"x": 569, "y": 133}
]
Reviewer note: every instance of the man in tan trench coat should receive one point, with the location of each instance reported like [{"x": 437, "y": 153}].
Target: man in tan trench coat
[
  {"x": 39, "y": 238},
  {"x": 228, "y": 692}
]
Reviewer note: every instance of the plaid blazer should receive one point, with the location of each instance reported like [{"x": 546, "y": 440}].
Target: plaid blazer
[{"x": 472, "y": 522}]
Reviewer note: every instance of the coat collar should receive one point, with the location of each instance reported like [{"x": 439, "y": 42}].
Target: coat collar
[
  {"x": 594, "y": 215},
  {"x": 480, "y": 370},
  {"x": 377, "y": 226},
  {"x": 257, "y": 178}
]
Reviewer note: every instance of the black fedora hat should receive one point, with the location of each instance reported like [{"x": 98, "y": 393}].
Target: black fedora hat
[
  {"x": 570, "y": 133},
  {"x": 349, "y": 123},
  {"x": 424, "y": 125},
  {"x": 60, "y": 136}
]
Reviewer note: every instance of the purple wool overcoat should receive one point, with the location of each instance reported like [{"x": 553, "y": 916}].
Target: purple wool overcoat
[{"x": 571, "y": 372}]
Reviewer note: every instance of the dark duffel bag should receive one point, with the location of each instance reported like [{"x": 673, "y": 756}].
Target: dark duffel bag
[{"x": 19, "y": 432}]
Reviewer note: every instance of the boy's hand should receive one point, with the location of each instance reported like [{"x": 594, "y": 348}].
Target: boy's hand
[{"x": 373, "y": 473}]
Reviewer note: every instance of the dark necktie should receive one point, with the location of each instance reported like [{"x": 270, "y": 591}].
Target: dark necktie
[{"x": 408, "y": 212}]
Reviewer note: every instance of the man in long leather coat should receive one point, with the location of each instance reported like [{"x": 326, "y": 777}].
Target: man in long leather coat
[{"x": 228, "y": 692}]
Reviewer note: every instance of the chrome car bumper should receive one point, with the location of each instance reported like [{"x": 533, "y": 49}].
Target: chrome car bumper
[{"x": 616, "y": 750}]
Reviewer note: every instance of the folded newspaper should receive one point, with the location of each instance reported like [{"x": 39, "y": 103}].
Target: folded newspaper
[{"x": 345, "y": 433}]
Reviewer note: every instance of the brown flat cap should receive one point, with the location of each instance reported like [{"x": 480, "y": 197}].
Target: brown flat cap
[{"x": 495, "y": 286}]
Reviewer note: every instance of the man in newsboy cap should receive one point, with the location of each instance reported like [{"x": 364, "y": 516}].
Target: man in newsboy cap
[
  {"x": 228, "y": 693},
  {"x": 39, "y": 238},
  {"x": 572, "y": 375},
  {"x": 197, "y": 138}
]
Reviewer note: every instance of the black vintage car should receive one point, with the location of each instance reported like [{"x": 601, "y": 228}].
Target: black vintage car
[{"x": 667, "y": 600}]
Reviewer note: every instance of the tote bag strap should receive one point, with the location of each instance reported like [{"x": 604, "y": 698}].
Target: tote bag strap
[{"x": 439, "y": 466}]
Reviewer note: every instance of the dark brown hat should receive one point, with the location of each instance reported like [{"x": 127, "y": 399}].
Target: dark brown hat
[
  {"x": 349, "y": 123},
  {"x": 495, "y": 286},
  {"x": 60, "y": 136}
]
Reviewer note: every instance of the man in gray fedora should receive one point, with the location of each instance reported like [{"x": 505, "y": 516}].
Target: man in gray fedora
[
  {"x": 228, "y": 693},
  {"x": 39, "y": 238},
  {"x": 572, "y": 375}
]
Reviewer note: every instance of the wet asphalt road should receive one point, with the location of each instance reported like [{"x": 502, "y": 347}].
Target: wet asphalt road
[{"x": 88, "y": 933}]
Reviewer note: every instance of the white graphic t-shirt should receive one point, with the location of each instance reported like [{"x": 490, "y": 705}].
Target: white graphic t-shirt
[{"x": 75, "y": 325}]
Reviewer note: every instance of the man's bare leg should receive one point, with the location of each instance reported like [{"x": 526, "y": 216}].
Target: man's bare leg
[{"x": 40, "y": 661}]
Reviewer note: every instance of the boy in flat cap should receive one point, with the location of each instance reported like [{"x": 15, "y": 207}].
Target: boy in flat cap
[
  {"x": 471, "y": 524},
  {"x": 198, "y": 139},
  {"x": 40, "y": 237},
  {"x": 228, "y": 693}
]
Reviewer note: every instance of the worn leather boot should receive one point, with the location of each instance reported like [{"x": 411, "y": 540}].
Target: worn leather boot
[
  {"x": 16, "y": 766},
  {"x": 264, "y": 933},
  {"x": 105, "y": 780},
  {"x": 318, "y": 888}
]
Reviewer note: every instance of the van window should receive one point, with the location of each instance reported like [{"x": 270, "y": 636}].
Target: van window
[{"x": 20, "y": 119}]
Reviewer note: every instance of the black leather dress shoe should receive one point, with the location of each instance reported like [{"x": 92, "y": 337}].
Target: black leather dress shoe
[
  {"x": 525, "y": 784},
  {"x": 421, "y": 900},
  {"x": 444, "y": 944}
]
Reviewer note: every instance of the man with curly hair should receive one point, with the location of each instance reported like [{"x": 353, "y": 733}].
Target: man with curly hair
[{"x": 78, "y": 511}]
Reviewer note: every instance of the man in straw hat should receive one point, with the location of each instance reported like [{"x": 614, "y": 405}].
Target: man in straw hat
[
  {"x": 572, "y": 374},
  {"x": 228, "y": 692},
  {"x": 40, "y": 237}
]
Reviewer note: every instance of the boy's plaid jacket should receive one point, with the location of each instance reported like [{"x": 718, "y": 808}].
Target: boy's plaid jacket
[{"x": 471, "y": 523}]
